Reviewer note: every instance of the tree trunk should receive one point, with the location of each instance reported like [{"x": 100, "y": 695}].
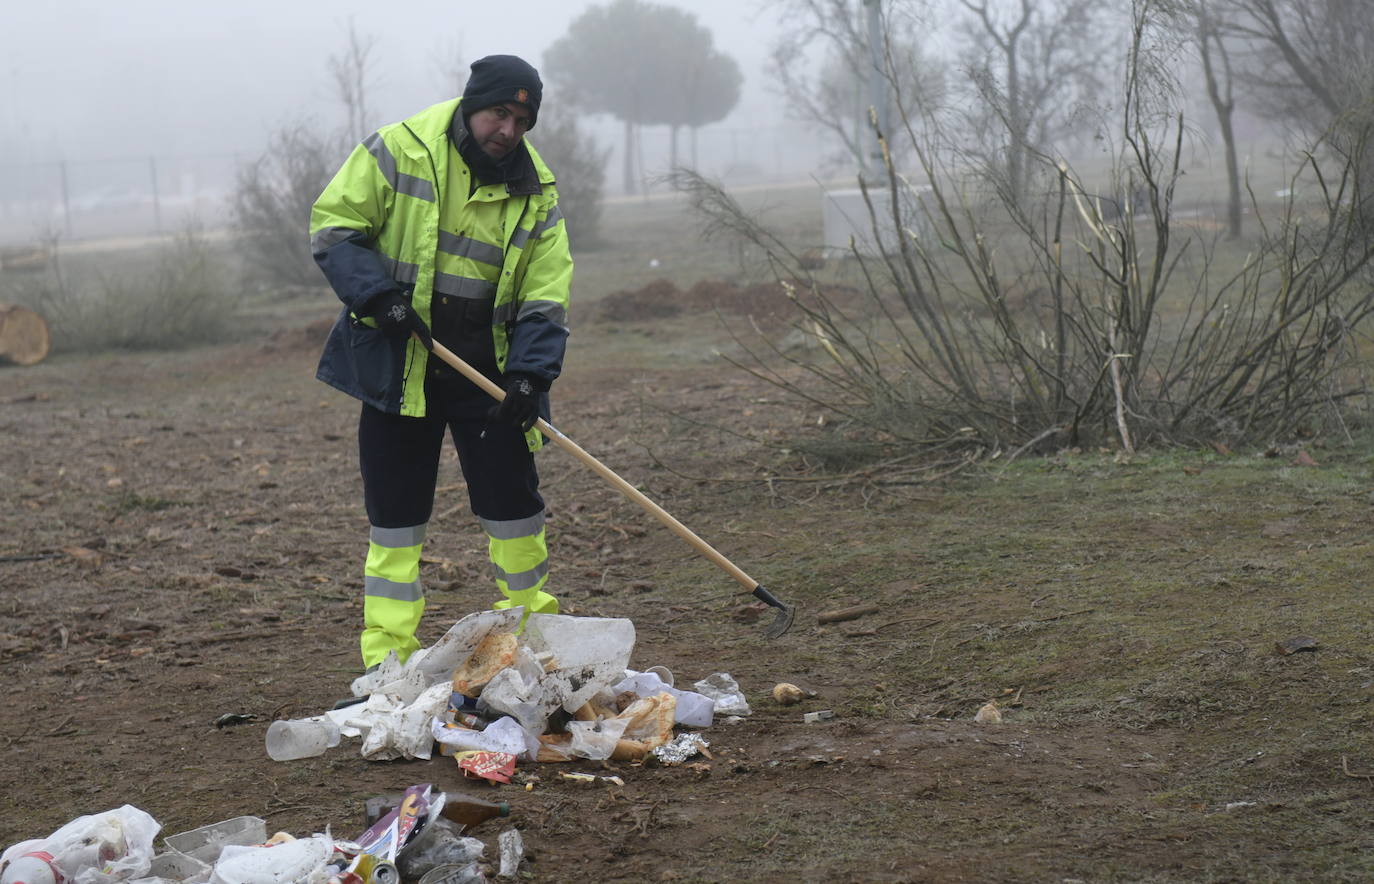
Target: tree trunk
[
  {"x": 23, "y": 335},
  {"x": 1224, "y": 105},
  {"x": 672, "y": 146},
  {"x": 1228, "y": 137},
  {"x": 629, "y": 167},
  {"x": 639, "y": 161}
]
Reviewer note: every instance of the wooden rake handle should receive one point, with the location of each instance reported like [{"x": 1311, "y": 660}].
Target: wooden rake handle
[{"x": 604, "y": 472}]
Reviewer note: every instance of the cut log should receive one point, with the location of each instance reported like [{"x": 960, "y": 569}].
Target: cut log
[{"x": 23, "y": 335}]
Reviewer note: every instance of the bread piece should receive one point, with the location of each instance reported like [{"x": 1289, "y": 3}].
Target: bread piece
[
  {"x": 494, "y": 652},
  {"x": 554, "y": 747},
  {"x": 650, "y": 719}
]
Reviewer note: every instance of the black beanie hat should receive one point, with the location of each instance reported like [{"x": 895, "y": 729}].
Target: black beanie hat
[{"x": 498, "y": 79}]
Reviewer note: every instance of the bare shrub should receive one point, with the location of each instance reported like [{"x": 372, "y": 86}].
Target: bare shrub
[
  {"x": 179, "y": 299},
  {"x": 272, "y": 200},
  {"x": 579, "y": 165},
  {"x": 1016, "y": 324}
]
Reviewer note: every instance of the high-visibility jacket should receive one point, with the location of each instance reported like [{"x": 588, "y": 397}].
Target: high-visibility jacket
[{"x": 395, "y": 218}]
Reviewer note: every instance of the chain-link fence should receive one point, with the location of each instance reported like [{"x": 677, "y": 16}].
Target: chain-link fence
[
  {"x": 83, "y": 199},
  {"x": 133, "y": 196}
]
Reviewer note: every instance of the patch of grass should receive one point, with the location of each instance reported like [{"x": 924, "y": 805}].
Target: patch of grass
[{"x": 179, "y": 295}]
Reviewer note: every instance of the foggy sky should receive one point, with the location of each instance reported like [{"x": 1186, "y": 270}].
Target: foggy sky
[{"x": 100, "y": 80}]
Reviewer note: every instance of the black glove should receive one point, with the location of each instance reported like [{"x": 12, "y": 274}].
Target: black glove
[
  {"x": 397, "y": 319},
  {"x": 520, "y": 408}
]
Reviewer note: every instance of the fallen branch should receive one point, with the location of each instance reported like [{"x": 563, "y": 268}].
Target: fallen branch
[
  {"x": 32, "y": 557},
  {"x": 851, "y": 613},
  {"x": 1062, "y": 616},
  {"x": 1042, "y": 436},
  {"x": 1345, "y": 767}
]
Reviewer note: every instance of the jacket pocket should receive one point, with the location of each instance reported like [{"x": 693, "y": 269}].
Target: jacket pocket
[{"x": 375, "y": 360}]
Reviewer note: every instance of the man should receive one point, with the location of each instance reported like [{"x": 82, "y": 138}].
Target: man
[{"x": 448, "y": 224}]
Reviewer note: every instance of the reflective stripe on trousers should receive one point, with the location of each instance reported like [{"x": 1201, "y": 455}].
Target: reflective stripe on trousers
[
  {"x": 393, "y": 599},
  {"x": 520, "y": 563}
]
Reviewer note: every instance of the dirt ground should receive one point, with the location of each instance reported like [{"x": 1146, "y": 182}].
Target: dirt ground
[{"x": 182, "y": 540}]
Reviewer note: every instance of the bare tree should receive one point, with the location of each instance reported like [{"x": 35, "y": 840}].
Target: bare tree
[
  {"x": 579, "y": 162},
  {"x": 1044, "y": 322},
  {"x": 452, "y": 69},
  {"x": 351, "y": 72},
  {"x": 1313, "y": 59},
  {"x": 1312, "y": 67},
  {"x": 829, "y": 91},
  {"x": 1032, "y": 63},
  {"x": 1215, "y": 56}
]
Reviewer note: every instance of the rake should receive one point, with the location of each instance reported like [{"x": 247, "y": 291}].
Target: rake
[{"x": 782, "y": 620}]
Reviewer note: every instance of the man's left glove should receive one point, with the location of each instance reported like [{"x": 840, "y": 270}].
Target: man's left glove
[
  {"x": 396, "y": 318},
  {"x": 520, "y": 408}
]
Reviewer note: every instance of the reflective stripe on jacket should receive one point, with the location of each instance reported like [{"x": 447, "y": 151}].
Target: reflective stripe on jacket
[{"x": 384, "y": 224}]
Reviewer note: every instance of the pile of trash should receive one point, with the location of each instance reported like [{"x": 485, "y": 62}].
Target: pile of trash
[
  {"x": 422, "y": 837},
  {"x": 489, "y": 694},
  {"x": 558, "y": 690}
]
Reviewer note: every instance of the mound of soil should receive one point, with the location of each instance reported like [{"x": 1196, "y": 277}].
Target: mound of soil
[{"x": 766, "y": 302}]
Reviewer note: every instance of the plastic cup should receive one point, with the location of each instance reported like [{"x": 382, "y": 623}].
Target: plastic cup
[{"x": 300, "y": 738}]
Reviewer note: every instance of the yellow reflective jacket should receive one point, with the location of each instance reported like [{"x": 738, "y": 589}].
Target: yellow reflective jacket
[{"x": 384, "y": 224}]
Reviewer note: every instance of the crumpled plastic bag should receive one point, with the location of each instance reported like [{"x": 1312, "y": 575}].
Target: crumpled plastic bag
[
  {"x": 693, "y": 709},
  {"x": 505, "y": 734},
  {"x": 583, "y": 655},
  {"x": 297, "y": 860},
  {"x": 722, "y": 688},
  {"x": 99, "y": 848},
  {"x": 596, "y": 740},
  {"x": 429, "y": 666},
  {"x": 391, "y": 729}
]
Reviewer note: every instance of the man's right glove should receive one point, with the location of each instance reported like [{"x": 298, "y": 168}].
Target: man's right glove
[{"x": 397, "y": 319}]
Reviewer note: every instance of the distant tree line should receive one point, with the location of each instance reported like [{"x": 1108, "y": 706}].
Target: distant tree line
[{"x": 1016, "y": 80}]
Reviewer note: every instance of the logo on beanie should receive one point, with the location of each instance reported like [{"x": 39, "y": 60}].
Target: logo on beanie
[{"x": 522, "y": 96}]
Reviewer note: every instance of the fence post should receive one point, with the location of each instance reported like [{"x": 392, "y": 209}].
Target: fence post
[
  {"x": 157, "y": 201},
  {"x": 66, "y": 197}
]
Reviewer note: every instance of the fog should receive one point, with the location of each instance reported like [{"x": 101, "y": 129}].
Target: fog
[
  {"x": 148, "y": 108},
  {"x": 110, "y": 95},
  {"x": 98, "y": 78}
]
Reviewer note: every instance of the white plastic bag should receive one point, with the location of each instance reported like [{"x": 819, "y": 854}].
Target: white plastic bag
[
  {"x": 584, "y": 655},
  {"x": 595, "y": 740},
  {"x": 722, "y": 688},
  {"x": 298, "y": 860},
  {"x": 503, "y": 735},
  {"x": 99, "y": 848},
  {"x": 396, "y": 731},
  {"x": 693, "y": 709}
]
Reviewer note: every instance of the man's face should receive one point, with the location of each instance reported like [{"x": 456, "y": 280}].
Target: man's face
[{"x": 499, "y": 128}]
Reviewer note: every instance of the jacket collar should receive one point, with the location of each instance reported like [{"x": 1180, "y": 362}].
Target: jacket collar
[
  {"x": 433, "y": 124},
  {"x": 516, "y": 170}
]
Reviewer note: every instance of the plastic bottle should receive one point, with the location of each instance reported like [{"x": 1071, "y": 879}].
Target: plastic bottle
[
  {"x": 35, "y": 867},
  {"x": 300, "y": 738},
  {"x": 438, "y": 843},
  {"x": 468, "y": 810}
]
